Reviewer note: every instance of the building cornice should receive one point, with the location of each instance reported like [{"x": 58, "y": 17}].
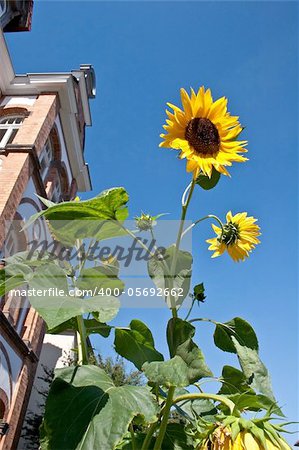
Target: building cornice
[{"x": 62, "y": 84}]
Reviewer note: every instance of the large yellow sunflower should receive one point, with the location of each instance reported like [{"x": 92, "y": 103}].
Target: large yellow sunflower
[
  {"x": 239, "y": 236},
  {"x": 204, "y": 132}
]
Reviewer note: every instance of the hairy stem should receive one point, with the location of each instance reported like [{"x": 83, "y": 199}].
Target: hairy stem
[
  {"x": 209, "y": 216},
  {"x": 215, "y": 397},
  {"x": 164, "y": 422},
  {"x": 82, "y": 341},
  {"x": 149, "y": 436},
  {"x": 185, "y": 204},
  {"x": 133, "y": 441}
]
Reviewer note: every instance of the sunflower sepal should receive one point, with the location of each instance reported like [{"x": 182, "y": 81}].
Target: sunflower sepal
[
  {"x": 208, "y": 182},
  {"x": 235, "y": 430}
]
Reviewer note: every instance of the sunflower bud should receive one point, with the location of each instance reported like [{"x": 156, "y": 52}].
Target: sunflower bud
[{"x": 145, "y": 222}]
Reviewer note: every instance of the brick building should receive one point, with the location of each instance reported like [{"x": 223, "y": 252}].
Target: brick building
[{"x": 42, "y": 127}]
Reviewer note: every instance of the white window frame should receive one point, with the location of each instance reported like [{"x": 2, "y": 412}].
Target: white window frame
[{"x": 15, "y": 125}]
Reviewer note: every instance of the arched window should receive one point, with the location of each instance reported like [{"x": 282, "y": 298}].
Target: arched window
[
  {"x": 46, "y": 157},
  {"x": 56, "y": 192},
  {"x": 2, "y": 7},
  {"x": 8, "y": 129}
]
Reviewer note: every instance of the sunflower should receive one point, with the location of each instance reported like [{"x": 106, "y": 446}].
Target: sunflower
[
  {"x": 239, "y": 236},
  {"x": 204, "y": 132},
  {"x": 222, "y": 439}
]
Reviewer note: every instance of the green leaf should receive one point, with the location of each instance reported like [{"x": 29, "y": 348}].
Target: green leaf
[
  {"x": 208, "y": 183},
  {"x": 176, "y": 438},
  {"x": 238, "y": 336},
  {"x": 57, "y": 307},
  {"x": 92, "y": 326},
  {"x": 240, "y": 329},
  {"x": 254, "y": 369},
  {"x": 9, "y": 282},
  {"x": 234, "y": 382},
  {"x": 104, "y": 212},
  {"x": 199, "y": 408},
  {"x": 85, "y": 410},
  {"x": 255, "y": 402},
  {"x": 137, "y": 344},
  {"x": 99, "y": 278},
  {"x": 173, "y": 372},
  {"x": 181, "y": 277},
  {"x": 187, "y": 364},
  {"x": 180, "y": 343}
]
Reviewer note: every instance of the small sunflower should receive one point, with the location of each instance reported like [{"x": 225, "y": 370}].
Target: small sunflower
[
  {"x": 204, "y": 132},
  {"x": 239, "y": 236}
]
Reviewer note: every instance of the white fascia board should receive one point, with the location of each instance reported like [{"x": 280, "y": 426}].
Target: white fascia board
[
  {"x": 80, "y": 75},
  {"x": 7, "y": 73},
  {"x": 72, "y": 139}
]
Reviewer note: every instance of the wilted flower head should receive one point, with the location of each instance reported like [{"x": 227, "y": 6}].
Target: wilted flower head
[{"x": 244, "y": 435}]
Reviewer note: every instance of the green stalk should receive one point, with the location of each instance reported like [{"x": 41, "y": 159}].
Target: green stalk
[
  {"x": 215, "y": 397},
  {"x": 132, "y": 437},
  {"x": 149, "y": 436},
  {"x": 178, "y": 241},
  {"x": 164, "y": 422},
  {"x": 83, "y": 354},
  {"x": 82, "y": 341},
  {"x": 209, "y": 216}
]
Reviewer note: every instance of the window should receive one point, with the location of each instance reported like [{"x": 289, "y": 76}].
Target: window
[
  {"x": 56, "y": 193},
  {"x": 8, "y": 129},
  {"x": 2, "y": 7},
  {"x": 46, "y": 157}
]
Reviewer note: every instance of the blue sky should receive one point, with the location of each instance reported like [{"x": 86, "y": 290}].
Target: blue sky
[{"x": 143, "y": 52}]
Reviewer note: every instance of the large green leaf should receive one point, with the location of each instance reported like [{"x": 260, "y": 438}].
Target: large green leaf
[
  {"x": 179, "y": 280},
  {"x": 240, "y": 329},
  {"x": 86, "y": 411},
  {"x": 99, "y": 278},
  {"x": 136, "y": 344},
  {"x": 206, "y": 182},
  {"x": 56, "y": 306},
  {"x": 187, "y": 364},
  {"x": 173, "y": 372},
  {"x": 104, "y": 212},
  {"x": 238, "y": 336},
  {"x": 180, "y": 343},
  {"x": 92, "y": 326},
  {"x": 254, "y": 369}
]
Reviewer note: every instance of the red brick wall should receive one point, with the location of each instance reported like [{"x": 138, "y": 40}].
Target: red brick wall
[{"x": 16, "y": 170}]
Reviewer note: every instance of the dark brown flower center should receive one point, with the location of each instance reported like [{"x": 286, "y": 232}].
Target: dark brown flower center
[{"x": 203, "y": 136}]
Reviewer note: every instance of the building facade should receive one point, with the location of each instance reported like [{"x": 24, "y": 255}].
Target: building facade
[{"x": 42, "y": 132}]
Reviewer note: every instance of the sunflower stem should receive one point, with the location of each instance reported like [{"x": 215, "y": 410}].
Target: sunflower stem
[
  {"x": 215, "y": 397},
  {"x": 209, "y": 216},
  {"x": 185, "y": 204},
  {"x": 164, "y": 422}
]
